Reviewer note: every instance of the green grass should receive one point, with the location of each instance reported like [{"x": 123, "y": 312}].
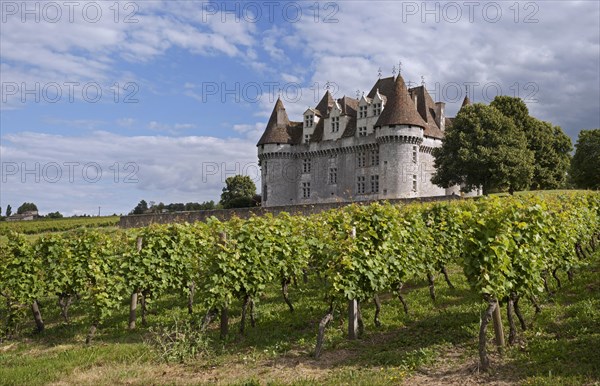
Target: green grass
[{"x": 434, "y": 343}]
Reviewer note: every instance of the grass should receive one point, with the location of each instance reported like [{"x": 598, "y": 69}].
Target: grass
[{"x": 435, "y": 343}]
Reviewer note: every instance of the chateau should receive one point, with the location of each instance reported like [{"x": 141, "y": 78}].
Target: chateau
[{"x": 347, "y": 149}]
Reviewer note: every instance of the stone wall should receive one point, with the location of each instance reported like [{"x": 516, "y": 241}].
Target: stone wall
[{"x": 142, "y": 220}]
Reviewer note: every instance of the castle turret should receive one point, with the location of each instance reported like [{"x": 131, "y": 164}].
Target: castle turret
[
  {"x": 277, "y": 127},
  {"x": 399, "y": 132},
  {"x": 275, "y": 155}
]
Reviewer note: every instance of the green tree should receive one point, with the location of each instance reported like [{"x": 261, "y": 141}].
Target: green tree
[
  {"x": 483, "y": 148},
  {"x": 56, "y": 214},
  {"x": 550, "y": 145},
  {"x": 238, "y": 193},
  {"x": 141, "y": 208},
  {"x": 8, "y": 210},
  {"x": 27, "y": 207},
  {"x": 585, "y": 167}
]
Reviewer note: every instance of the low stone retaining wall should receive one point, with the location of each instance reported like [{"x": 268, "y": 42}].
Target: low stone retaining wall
[{"x": 141, "y": 220}]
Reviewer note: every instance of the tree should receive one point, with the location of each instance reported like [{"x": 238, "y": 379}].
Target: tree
[
  {"x": 238, "y": 192},
  {"x": 56, "y": 214},
  {"x": 141, "y": 208},
  {"x": 585, "y": 167},
  {"x": 550, "y": 145},
  {"x": 8, "y": 211},
  {"x": 483, "y": 148},
  {"x": 27, "y": 207},
  {"x": 207, "y": 205}
]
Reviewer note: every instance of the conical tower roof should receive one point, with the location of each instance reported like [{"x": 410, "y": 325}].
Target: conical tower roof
[
  {"x": 277, "y": 127},
  {"x": 466, "y": 101},
  {"x": 400, "y": 108}
]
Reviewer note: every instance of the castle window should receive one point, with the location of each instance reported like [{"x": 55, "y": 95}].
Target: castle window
[
  {"x": 362, "y": 131},
  {"x": 265, "y": 192},
  {"x": 265, "y": 167},
  {"x": 360, "y": 184},
  {"x": 335, "y": 124},
  {"x": 362, "y": 111},
  {"x": 375, "y": 158},
  {"x": 415, "y": 154},
  {"x": 307, "y": 138},
  {"x": 309, "y": 120},
  {"x": 306, "y": 166},
  {"x": 375, "y": 184},
  {"x": 376, "y": 109},
  {"x": 305, "y": 189},
  {"x": 414, "y": 183},
  {"x": 361, "y": 159},
  {"x": 333, "y": 176}
]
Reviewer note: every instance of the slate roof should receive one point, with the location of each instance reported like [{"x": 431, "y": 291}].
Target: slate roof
[
  {"x": 385, "y": 86},
  {"x": 426, "y": 108},
  {"x": 348, "y": 105},
  {"x": 325, "y": 104},
  {"x": 400, "y": 108},
  {"x": 318, "y": 132},
  {"x": 466, "y": 101},
  {"x": 280, "y": 129}
]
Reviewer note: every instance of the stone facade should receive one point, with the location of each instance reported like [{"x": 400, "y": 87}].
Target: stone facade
[{"x": 373, "y": 148}]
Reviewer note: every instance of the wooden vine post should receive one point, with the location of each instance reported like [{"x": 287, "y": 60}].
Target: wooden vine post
[
  {"x": 498, "y": 331},
  {"x": 134, "y": 295},
  {"x": 352, "y": 309},
  {"x": 224, "y": 312}
]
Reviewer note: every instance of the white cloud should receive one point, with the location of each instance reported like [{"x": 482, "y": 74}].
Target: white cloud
[
  {"x": 158, "y": 168},
  {"x": 552, "y": 53},
  {"x": 78, "y": 50},
  {"x": 126, "y": 122},
  {"x": 172, "y": 129}
]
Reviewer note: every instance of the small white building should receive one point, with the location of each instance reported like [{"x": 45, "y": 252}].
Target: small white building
[{"x": 378, "y": 147}]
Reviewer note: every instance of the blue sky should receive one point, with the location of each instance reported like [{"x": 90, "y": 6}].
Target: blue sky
[{"x": 197, "y": 82}]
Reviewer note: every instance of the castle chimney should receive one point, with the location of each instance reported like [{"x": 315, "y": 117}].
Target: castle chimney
[{"x": 440, "y": 117}]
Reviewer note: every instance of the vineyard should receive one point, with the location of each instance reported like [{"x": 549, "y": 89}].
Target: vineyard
[
  {"x": 57, "y": 225},
  {"x": 511, "y": 251}
]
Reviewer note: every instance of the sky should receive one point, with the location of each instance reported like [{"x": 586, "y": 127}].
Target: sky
[{"x": 107, "y": 103}]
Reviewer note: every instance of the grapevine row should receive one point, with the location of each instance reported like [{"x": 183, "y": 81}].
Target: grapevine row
[{"x": 507, "y": 248}]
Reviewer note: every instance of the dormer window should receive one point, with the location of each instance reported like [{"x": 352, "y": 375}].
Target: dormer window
[
  {"x": 376, "y": 109},
  {"x": 309, "y": 120},
  {"x": 362, "y": 111},
  {"x": 335, "y": 124}
]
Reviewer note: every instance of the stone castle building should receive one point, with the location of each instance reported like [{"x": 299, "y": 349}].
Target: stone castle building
[{"x": 347, "y": 149}]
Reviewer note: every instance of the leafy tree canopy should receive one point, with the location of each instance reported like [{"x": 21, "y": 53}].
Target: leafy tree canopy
[
  {"x": 238, "y": 192},
  {"x": 27, "y": 207},
  {"x": 585, "y": 167},
  {"x": 550, "y": 145},
  {"x": 141, "y": 208},
  {"x": 484, "y": 148}
]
